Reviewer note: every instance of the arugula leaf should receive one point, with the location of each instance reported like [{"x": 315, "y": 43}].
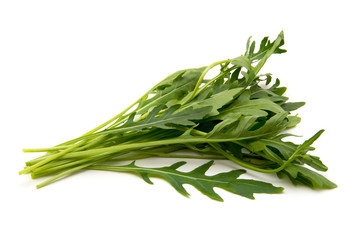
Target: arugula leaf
[
  {"x": 215, "y": 101},
  {"x": 305, "y": 176},
  {"x": 170, "y": 117},
  {"x": 205, "y": 184},
  {"x": 242, "y": 61},
  {"x": 293, "y": 121},
  {"x": 291, "y": 106},
  {"x": 264, "y": 47}
]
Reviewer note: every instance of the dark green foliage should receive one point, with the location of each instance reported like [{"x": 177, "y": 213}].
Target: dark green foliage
[{"x": 239, "y": 115}]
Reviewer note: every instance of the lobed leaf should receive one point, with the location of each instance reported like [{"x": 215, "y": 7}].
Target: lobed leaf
[
  {"x": 264, "y": 47},
  {"x": 197, "y": 178}
]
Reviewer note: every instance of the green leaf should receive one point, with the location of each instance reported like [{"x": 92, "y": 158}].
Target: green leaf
[
  {"x": 243, "y": 105},
  {"x": 235, "y": 75},
  {"x": 168, "y": 119},
  {"x": 177, "y": 114},
  {"x": 205, "y": 184},
  {"x": 215, "y": 102},
  {"x": 265, "y": 46},
  {"x": 314, "y": 162},
  {"x": 242, "y": 61},
  {"x": 293, "y": 121},
  {"x": 299, "y": 174},
  {"x": 277, "y": 150},
  {"x": 274, "y": 92},
  {"x": 291, "y": 106}
]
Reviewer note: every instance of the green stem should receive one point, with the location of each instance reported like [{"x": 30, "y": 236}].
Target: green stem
[
  {"x": 63, "y": 164},
  {"x": 52, "y": 179},
  {"x": 170, "y": 155},
  {"x": 207, "y": 69},
  {"x": 49, "y": 149},
  {"x": 50, "y": 158},
  {"x": 52, "y": 168},
  {"x": 70, "y": 148},
  {"x": 215, "y": 78},
  {"x": 177, "y": 140}
]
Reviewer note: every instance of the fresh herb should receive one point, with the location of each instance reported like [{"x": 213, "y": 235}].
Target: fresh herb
[{"x": 238, "y": 115}]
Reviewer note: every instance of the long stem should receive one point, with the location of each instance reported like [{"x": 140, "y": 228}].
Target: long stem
[
  {"x": 50, "y": 158},
  {"x": 207, "y": 69},
  {"x": 69, "y": 149},
  {"x": 176, "y": 140},
  {"x": 49, "y": 149},
  {"x": 72, "y": 170},
  {"x": 63, "y": 164}
]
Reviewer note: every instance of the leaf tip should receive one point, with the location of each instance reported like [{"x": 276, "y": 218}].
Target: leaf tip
[
  {"x": 281, "y": 34},
  {"x": 279, "y": 189}
]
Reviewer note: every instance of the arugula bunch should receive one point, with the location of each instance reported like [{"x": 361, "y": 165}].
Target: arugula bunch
[{"x": 238, "y": 115}]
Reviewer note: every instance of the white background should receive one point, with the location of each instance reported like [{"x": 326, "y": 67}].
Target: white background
[{"x": 67, "y": 66}]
